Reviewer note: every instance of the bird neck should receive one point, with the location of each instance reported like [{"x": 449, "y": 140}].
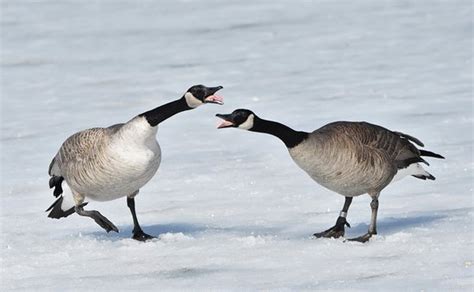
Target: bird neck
[
  {"x": 163, "y": 112},
  {"x": 290, "y": 137}
]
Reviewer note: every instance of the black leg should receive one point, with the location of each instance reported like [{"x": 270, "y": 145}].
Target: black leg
[
  {"x": 338, "y": 229},
  {"x": 374, "y": 205},
  {"x": 138, "y": 233},
  {"x": 98, "y": 218}
]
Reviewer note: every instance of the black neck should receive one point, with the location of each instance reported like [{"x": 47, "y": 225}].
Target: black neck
[
  {"x": 161, "y": 113},
  {"x": 290, "y": 137}
]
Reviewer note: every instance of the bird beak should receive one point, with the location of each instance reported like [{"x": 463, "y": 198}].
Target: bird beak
[
  {"x": 212, "y": 97},
  {"x": 227, "y": 121}
]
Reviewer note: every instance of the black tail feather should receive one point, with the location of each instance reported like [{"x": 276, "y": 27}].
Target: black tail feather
[
  {"x": 430, "y": 154},
  {"x": 405, "y": 163},
  {"x": 424, "y": 177},
  {"x": 56, "y": 211},
  {"x": 410, "y": 138},
  {"x": 55, "y": 182}
]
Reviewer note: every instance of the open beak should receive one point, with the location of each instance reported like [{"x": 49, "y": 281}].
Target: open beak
[
  {"x": 212, "y": 97},
  {"x": 227, "y": 121}
]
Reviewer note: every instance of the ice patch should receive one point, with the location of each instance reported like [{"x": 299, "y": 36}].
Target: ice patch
[
  {"x": 174, "y": 237},
  {"x": 400, "y": 237},
  {"x": 251, "y": 241}
]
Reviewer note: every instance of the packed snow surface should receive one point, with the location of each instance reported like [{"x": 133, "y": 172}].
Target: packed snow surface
[{"x": 229, "y": 208}]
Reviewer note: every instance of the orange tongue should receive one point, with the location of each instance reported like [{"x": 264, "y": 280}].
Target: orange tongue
[
  {"x": 215, "y": 98},
  {"x": 225, "y": 124}
]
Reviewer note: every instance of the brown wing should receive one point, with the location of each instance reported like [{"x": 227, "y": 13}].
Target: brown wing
[
  {"x": 80, "y": 151},
  {"x": 395, "y": 145}
]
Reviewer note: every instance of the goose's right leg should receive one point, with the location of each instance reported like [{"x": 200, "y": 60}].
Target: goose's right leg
[
  {"x": 98, "y": 218},
  {"x": 338, "y": 229},
  {"x": 137, "y": 232}
]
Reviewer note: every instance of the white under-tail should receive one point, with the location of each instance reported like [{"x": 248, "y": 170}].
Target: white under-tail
[{"x": 415, "y": 170}]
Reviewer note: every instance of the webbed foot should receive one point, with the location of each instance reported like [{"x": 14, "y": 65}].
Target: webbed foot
[
  {"x": 336, "y": 231},
  {"x": 142, "y": 236},
  {"x": 103, "y": 222},
  {"x": 363, "y": 238},
  {"x": 98, "y": 218}
]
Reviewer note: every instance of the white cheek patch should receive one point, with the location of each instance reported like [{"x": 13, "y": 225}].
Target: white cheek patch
[
  {"x": 191, "y": 100},
  {"x": 248, "y": 124}
]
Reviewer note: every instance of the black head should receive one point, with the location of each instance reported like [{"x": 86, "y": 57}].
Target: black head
[
  {"x": 240, "y": 118},
  {"x": 199, "y": 94}
]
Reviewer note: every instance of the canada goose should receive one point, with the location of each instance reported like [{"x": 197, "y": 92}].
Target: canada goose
[
  {"x": 350, "y": 158},
  {"x": 104, "y": 164}
]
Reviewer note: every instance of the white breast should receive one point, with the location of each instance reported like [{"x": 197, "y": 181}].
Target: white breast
[{"x": 133, "y": 157}]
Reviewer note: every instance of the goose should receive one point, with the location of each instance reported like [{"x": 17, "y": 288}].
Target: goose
[
  {"x": 105, "y": 164},
  {"x": 349, "y": 158}
]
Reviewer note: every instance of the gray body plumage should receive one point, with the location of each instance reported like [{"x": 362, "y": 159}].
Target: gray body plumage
[
  {"x": 108, "y": 163},
  {"x": 354, "y": 158}
]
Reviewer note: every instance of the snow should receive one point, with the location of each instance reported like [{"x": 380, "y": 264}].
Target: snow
[{"x": 229, "y": 207}]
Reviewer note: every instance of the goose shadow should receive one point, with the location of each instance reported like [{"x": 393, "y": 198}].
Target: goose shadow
[
  {"x": 385, "y": 226},
  {"x": 154, "y": 230},
  {"x": 393, "y": 225},
  {"x": 185, "y": 228}
]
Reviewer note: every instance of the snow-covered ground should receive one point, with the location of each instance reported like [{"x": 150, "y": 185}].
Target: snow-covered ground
[{"x": 231, "y": 210}]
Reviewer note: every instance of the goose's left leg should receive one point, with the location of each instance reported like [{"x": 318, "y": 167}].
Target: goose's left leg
[
  {"x": 98, "y": 218},
  {"x": 374, "y": 205},
  {"x": 338, "y": 229},
  {"x": 138, "y": 233}
]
